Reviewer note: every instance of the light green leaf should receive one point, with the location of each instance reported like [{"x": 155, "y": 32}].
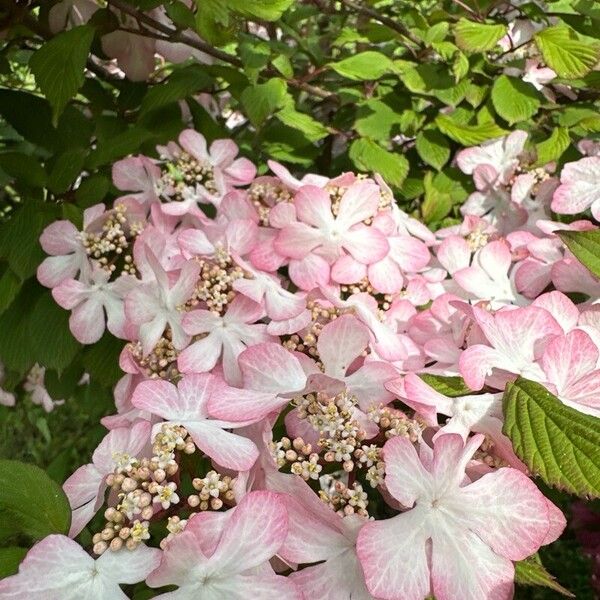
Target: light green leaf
[
  {"x": 552, "y": 148},
  {"x": 452, "y": 387},
  {"x": 260, "y": 101},
  {"x": 477, "y": 37},
  {"x": 370, "y": 157},
  {"x": 531, "y": 571},
  {"x": 468, "y": 135},
  {"x": 33, "y": 500},
  {"x": 514, "y": 99},
  {"x": 59, "y": 65},
  {"x": 437, "y": 204},
  {"x": 365, "y": 66},
  {"x": 433, "y": 148},
  {"x": 269, "y": 10},
  {"x": 585, "y": 245},
  {"x": 375, "y": 120},
  {"x": 556, "y": 442},
  {"x": 565, "y": 52},
  {"x": 310, "y": 128}
]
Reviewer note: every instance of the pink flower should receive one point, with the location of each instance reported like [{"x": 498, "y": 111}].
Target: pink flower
[
  {"x": 85, "y": 488},
  {"x": 219, "y": 161},
  {"x": 481, "y": 413},
  {"x": 317, "y": 534},
  {"x": 517, "y": 338},
  {"x": 67, "y": 258},
  {"x": 579, "y": 188},
  {"x": 187, "y": 404},
  {"x": 138, "y": 174},
  {"x": 319, "y": 238},
  {"x": 57, "y": 568},
  {"x": 488, "y": 277},
  {"x": 71, "y": 13},
  {"x": 154, "y": 304},
  {"x": 475, "y": 530},
  {"x": 238, "y": 563},
  {"x": 501, "y": 154},
  {"x": 406, "y": 254},
  {"x": 225, "y": 337},
  {"x": 570, "y": 364},
  {"x": 92, "y": 297}
]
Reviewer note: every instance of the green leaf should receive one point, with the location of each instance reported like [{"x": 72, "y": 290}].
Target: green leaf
[
  {"x": 468, "y": 135},
  {"x": 514, "y": 99},
  {"x": 364, "y": 66},
  {"x": 375, "y": 119},
  {"x": 66, "y": 169},
  {"x": 556, "y": 442},
  {"x": 10, "y": 559},
  {"x": 477, "y": 37},
  {"x": 452, "y": 387},
  {"x": 531, "y": 571},
  {"x": 585, "y": 245},
  {"x": 101, "y": 360},
  {"x": 433, "y": 148},
  {"x": 54, "y": 345},
  {"x": 311, "y": 128},
  {"x": 92, "y": 190},
  {"x": 269, "y": 10},
  {"x": 182, "y": 83},
  {"x": 552, "y": 149},
  {"x": 369, "y": 156},
  {"x": 19, "y": 237},
  {"x": 24, "y": 168},
  {"x": 36, "y": 502},
  {"x": 10, "y": 285},
  {"x": 260, "y": 101},
  {"x": 565, "y": 52},
  {"x": 59, "y": 65},
  {"x": 127, "y": 142}
]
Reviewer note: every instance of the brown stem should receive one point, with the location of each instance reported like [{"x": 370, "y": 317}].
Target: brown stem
[{"x": 384, "y": 20}]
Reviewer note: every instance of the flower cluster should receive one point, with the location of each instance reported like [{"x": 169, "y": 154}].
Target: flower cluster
[{"x": 275, "y": 333}]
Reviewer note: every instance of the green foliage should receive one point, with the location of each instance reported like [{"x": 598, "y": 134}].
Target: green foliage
[
  {"x": 447, "y": 386},
  {"x": 477, "y": 37},
  {"x": 531, "y": 572},
  {"x": 58, "y": 66},
  {"x": 565, "y": 52},
  {"x": 585, "y": 245},
  {"x": 556, "y": 442},
  {"x": 35, "y": 503},
  {"x": 514, "y": 99}
]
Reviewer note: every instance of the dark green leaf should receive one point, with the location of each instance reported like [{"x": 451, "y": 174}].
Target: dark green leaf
[
  {"x": 55, "y": 346},
  {"x": 25, "y": 168},
  {"x": 59, "y": 65},
  {"x": 36, "y": 502},
  {"x": 10, "y": 559}
]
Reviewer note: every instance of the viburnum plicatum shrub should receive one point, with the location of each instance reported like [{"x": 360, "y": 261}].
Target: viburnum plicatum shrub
[{"x": 337, "y": 264}]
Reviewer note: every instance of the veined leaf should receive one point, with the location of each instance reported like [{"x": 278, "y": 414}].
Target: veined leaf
[
  {"x": 565, "y": 52},
  {"x": 371, "y": 157},
  {"x": 514, "y": 99},
  {"x": 585, "y": 245},
  {"x": 59, "y": 65},
  {"x": 365, "y": 66},
  {"x": 477, "y": 37},
  {"x": 37, "y": 503},
  {"x": 531, "y": 571},
  {"x": 556, "y": 442},
  {"x": 468, "y": 135}
]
